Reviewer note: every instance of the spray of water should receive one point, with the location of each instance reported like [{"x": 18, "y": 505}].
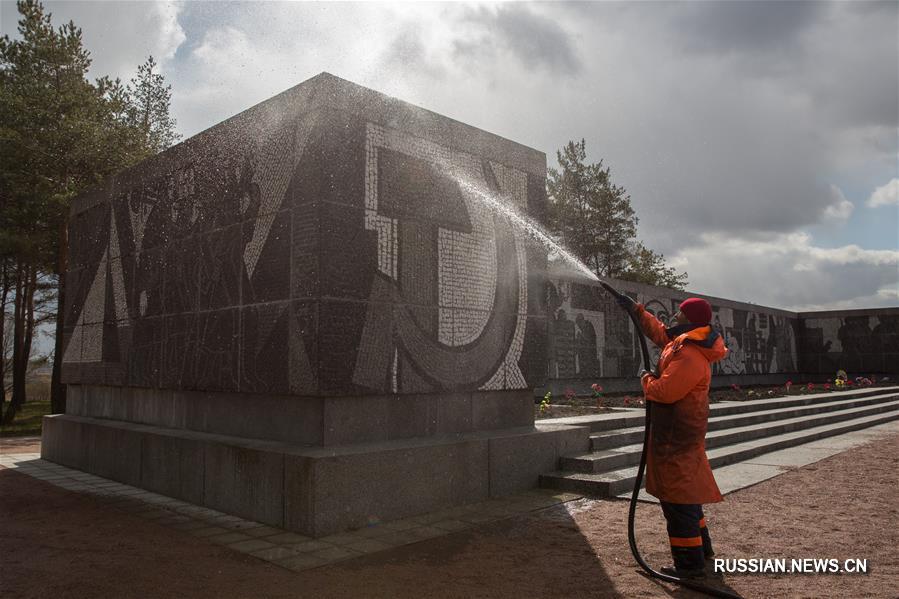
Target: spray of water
[{"x": 502, "y": 205}]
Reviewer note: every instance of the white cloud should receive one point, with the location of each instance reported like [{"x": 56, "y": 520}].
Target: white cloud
[
  {"x": 885, "y": 195},
  {"x": 119, "y": 35},
  {"x": 787, "y": 271},
  {"x": 887, "y": 296},
  {"x": 231, "y": 72},
  {"x": 841, "y": 208},
  {"x": 728, "y": 118},
  {"x": 170, "y": 34},
  {"x": 245, "y": 56}
]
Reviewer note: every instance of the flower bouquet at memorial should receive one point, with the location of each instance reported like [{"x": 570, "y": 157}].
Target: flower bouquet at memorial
[{"x": 596, "y": 392}]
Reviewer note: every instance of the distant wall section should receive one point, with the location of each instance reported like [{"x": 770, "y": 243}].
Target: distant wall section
[
  {"x": 857, "y": 341},
  {"x": 589, "y": 338}
]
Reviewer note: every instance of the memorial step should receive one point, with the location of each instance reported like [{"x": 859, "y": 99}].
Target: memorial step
[
  {"x": 621, "y": 419},
  {"x": 634, "y": 434},
  {"x": 625, "y": 455},
  {"x": 611, "y": 471}
]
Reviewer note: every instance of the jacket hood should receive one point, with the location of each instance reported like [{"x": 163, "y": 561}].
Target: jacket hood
[{"x": 707, "y": 340}]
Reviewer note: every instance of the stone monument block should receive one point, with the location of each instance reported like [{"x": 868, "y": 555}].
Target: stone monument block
[
  {"x": 316, "y": 245},
  {"x": 319, "y": 271}
]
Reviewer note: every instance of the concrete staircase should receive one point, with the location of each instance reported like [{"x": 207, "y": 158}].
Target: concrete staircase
[{"x": 738, "y": 431}]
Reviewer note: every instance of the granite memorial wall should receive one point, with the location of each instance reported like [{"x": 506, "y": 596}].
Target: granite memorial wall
[
  {"x": 312, "y": 297},
  {"x": 308, "y": 299},
  {"x": 590, "y": 338},
  {"x": 861, "y": 342},
  {"x": 305, "y": 253}
]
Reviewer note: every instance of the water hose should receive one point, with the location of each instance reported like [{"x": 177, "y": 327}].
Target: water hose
[{"x": 638, "y": 482}]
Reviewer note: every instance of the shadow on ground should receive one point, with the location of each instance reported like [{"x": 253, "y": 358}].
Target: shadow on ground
[
  {"x": 61, "y": 544},
  {"x": 59, "y": 540}
]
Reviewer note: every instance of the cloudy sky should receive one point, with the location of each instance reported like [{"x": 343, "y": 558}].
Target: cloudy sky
[{"x": 759, "y": 141}]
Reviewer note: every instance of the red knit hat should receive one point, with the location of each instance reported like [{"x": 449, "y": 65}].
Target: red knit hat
[{"x": 697, "y": 311}]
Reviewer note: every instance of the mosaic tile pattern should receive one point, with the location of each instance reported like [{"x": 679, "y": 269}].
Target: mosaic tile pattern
[
  {"x": 591, "y": 337},
  {"x": 184, "y": 270},
  {"x": 425, "y": 222}
]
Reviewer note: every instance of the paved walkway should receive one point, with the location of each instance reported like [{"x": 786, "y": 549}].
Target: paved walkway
[
  {"x": 751, "y": 472},
  {"x": 297, "y": 552},
  {"x": 289, "y": 550}
]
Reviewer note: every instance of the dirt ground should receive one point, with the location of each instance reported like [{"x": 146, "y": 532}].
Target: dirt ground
[
  {"x": 28, "y": 444},
  {"x": 58, "y": 544}
]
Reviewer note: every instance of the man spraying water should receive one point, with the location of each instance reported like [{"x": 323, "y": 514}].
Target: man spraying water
[{"x": 677, "y": 468}]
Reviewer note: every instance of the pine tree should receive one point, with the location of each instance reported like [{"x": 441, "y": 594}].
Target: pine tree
[
  {"x": 60, "y": 134},
  {"x": 649, "y": 267},
  {"x": 148, "y": 100},
  {"x": 594, "y": 218},
  {"x": 46, "y": 135}
]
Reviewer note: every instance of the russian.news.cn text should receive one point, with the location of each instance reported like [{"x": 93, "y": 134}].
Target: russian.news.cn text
[{"x": 809, "y": 565}]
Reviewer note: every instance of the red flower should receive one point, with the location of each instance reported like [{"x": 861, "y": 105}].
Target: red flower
[
  {"x": 596, "y": 387},
  {"x": 811, "y": 386},
  {"x": 827, "y": 386},
  {"x": 569, "y": 393}
]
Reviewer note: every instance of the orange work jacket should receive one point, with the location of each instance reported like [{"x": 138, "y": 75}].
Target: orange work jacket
[{"x": 677, "y": 468}]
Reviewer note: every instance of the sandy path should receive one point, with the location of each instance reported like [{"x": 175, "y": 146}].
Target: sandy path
[{"x": 59, "y": 544}]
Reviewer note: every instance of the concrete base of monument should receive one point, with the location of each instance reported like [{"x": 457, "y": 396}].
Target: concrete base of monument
[
  {"x": 313, "y": 490},
  {"x": 298, "y": 420}
]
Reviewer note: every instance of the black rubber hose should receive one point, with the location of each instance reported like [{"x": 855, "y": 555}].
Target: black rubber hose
[{"x": 632, "y": 511}]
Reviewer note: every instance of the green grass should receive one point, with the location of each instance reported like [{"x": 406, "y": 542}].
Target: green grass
[{"x": 28, "y": 419}]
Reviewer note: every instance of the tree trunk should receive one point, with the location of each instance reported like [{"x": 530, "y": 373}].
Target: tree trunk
[
  {"x": 5, "y": 283},
  {"x": 18, "y": 379},
  {"x": 26, "y": 284},
  {"x": 57, "y": 388},
  {"x": 31, "y": 289}
]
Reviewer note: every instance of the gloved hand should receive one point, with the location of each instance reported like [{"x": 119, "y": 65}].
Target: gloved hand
[{"x": 645, "y": 378}]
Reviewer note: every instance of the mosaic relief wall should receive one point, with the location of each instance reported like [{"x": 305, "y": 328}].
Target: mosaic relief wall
[
  {"x": 591, "y": 337},
  {"x": 453, "y": 272},
  {"x": 311, "y": 254},
  {"x": 180, "y": 274},
  {"x": 310, "y": 250},
  {"x": 856, "y": 343}
]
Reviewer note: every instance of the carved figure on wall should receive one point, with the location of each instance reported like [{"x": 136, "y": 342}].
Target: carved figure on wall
[
  {"x": 585, "y": 344},
  {"x": 665, "y": 313},
  {"x": 854, "y": 333},
  {"x": 855, "y": 339},
  {"x": 564, "y": 345},
  {"x": 755, "y": 358},
  {"x": 885, "y": 335},
  {"x": 735, "y": 362},
  {"x": 172, "y": 249},
  {"x": 782, "y": 342}
]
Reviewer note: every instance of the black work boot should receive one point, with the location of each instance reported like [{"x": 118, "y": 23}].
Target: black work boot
[{"x": 706, "y": 543}]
